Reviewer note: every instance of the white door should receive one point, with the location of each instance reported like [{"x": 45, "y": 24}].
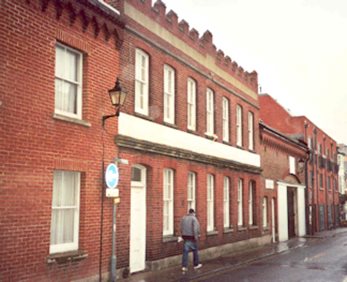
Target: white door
[
  {"x": 137, "y": 258},
  {"x": 273, "y": 224}
]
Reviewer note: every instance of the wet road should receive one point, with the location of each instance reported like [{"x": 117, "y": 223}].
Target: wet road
[{"x": 317, "y": 260}]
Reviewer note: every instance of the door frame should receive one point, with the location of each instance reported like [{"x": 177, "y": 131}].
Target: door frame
[{"x": 138, "y": 185}]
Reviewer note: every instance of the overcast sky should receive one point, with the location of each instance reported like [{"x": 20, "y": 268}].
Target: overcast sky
[{"x": 298, "y": 48}]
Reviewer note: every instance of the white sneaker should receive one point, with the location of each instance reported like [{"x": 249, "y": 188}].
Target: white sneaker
[
  {"x": 198, "y": 266},
  {"x": 184, "y": 269}
]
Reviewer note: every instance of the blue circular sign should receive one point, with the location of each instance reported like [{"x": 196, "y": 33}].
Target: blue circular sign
[{"x": 112, "y": 176}]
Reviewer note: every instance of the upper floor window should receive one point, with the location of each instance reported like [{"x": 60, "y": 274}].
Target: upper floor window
[
  {"x": 169, "y": 94},
  {"x": 309, "y": 142},
  {"x": 210, "y": 202},
  {"x": 225, "y": 119},
  {"x": 168, "y": 205},
  {"x": 191, "y": 190},
  {"x": 239, "y": 141},
  {"x": 65, "y": 211},
  {"x": 68, "y": 82},
  {"x": 250, "y": 131},
  {"x": 209, "y": 112},
  {"x": 240, "y": 203},
  {"x": 321, "y": 180},
  {"x": 141, "y": 82},
  {"x": 191, "y": 104},
  {"x": 292, "y": 165},
  {"x": 226, "y": 203}
]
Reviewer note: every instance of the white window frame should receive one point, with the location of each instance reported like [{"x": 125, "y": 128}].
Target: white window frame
[
  {"x": 141, "y": 82},
  {"x": 251, "y": 203},
  {"x": 291, "y": 165},
  {"x": 168, "y": 202},
  {"x": 250, "y": 131},
  {"x": 210, "y": 202},
  {"x": 62, "y": 77},
  {"x": 209, "y": 112},
  {"x": 226, "y": 202},
  {"x": 265, "y": 219},
  {"x": 239, "y": 138},
  {"x": 309, "y": 142},
  {"x": 59, "y": 182},
  {"x": 240, "y": 203},
  {"x": 225, "y": 117},
  {"x": 191, "y": 104},
  {"x": 169, "y": 94},
  {"x": 191, "y": 190}
]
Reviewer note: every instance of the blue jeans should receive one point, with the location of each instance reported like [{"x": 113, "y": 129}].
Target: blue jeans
[{"x": 188, "y": 246}]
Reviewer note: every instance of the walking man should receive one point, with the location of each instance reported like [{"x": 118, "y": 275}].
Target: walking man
[{"x": 190, "y": 231}]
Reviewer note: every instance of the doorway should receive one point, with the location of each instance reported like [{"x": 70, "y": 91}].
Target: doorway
[
  {"x": 291, "y": 212},
  {"x": 137, "y": 252}
]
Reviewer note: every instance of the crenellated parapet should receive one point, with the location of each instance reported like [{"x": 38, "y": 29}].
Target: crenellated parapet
[
  {"x": 202, "y": 44},
  {"x": 89, "y": 14}
]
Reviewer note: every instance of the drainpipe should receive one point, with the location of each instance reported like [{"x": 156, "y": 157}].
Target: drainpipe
[
  {"x": 308, "y": 229},
  {"x": 326, "y": 186},
  {"x": 315, "y": 182}
]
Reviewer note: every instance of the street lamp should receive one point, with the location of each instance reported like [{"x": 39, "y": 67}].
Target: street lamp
[{"x": 117, "y": 97}]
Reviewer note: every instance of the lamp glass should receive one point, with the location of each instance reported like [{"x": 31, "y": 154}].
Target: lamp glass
[{"x": 114, "y": 96}]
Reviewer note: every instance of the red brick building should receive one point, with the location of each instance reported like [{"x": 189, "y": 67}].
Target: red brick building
[
  {"x": 189, "y": 131},
  {"x": 321, "y": 169},
  {"x": 57, "y": 61},
  {"x": 282, "y": 161}
]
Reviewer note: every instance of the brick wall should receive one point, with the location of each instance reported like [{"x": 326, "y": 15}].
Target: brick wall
[
  {"x": 161, "y": 52},
  {"x": 34, "y": 143},
  {"x": 274, "y": 115},
  {"x": 156, "y": 248}
]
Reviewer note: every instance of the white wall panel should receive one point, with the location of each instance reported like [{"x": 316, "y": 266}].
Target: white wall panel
[
  {"x": 301, "y": 211},
  {"x": 142, "y": 129}
]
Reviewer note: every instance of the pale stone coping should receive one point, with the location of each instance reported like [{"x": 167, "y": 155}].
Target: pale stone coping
[{"x": 207, "y": 61}]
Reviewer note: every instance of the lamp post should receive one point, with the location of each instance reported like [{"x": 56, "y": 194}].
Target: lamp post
[{"x": 117, "y": 97}]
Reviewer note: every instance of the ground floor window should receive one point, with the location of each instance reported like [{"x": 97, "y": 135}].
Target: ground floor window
[
  {"x": 65, "y": 211},
  {"x": 265, "y": 219},
  {"x": 210, "y": 202},
  {"x": 168, "y": 202}
]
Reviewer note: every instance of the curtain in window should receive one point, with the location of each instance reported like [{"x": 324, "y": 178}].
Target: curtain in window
[{"x": 65, "y": 207}]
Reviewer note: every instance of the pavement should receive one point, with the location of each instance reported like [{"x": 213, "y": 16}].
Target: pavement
[{"x": 227, "y": 262}]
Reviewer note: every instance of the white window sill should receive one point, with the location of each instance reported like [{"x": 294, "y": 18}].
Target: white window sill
[
  {"x": 228, "y": 230},
  {"x": 72, "y": 120},
  {"x": 66, "y": 257},
  {"x": 211, "y": 233},
  {"x": 169, "y": 238},
  {"x": 241, "y": 228}
]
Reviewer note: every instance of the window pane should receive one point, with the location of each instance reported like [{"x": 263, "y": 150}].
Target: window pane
[
  {"x": 135, "y": 174},
  {"x": 141, "y": 82},
  {"x": 71, "y": 66},
  {"x": 59, "y": 62}
]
